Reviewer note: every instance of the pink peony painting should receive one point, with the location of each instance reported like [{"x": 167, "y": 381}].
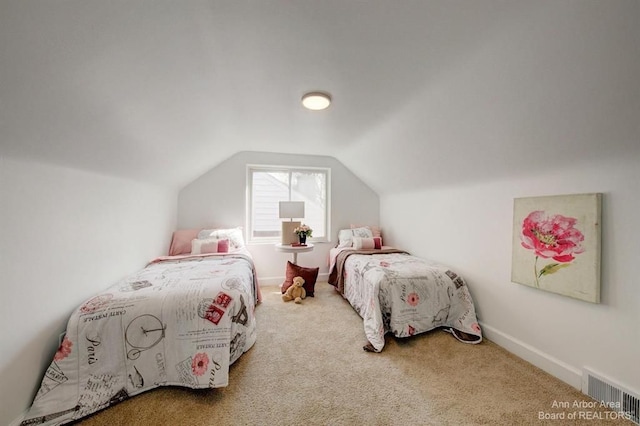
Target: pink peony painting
[
  {"x": 556, "y": 244},
  {"x": 551, "y": 237}
]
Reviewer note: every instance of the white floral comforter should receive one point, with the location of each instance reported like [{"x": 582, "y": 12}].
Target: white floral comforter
[
  {"x": 179, "y": 322},
  {"x": 407, "y": 295}
]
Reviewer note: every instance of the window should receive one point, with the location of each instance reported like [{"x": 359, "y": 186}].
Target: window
[{"x": 268, "y": 185}]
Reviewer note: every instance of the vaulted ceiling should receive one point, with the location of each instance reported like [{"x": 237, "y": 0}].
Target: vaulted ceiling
[{"x": 426, "y": 92}]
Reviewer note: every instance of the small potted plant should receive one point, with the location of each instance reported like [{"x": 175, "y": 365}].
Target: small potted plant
[{"x": 303, "y": 231}]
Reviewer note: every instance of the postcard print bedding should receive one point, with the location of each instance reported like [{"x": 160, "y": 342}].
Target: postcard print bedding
[
  {"x": 179, "y": 322},
  {"x": 407, "y": 295}
]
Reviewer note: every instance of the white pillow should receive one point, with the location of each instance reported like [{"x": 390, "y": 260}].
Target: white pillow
[
  {"x": 344, "y": 238},
  {"x": 209, "y": 245},
  {"x": 234, "y": 235},
  {"x": 362, "y": 232}
]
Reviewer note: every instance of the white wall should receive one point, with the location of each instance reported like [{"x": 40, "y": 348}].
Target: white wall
[
  {"x": 470, "y": 229},
  {"x": 218, "y": 199},
  {"x": 66, "y": 235}
]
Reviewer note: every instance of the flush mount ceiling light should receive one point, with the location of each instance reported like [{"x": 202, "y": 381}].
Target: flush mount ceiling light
[{"x": 316, "y": 100}]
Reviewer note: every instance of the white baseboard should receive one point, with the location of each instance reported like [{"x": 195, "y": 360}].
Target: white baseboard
[
  {"x": 268, "y": 281},
  {"x": 544, "y": 361}
]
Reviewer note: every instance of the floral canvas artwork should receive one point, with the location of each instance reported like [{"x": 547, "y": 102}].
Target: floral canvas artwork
[{"x": 556, "y": 244}]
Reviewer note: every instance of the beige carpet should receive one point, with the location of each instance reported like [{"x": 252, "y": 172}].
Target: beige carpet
[{"x": 308, "y": 368}]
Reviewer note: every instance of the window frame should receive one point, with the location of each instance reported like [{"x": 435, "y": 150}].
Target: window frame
[{"x": 285, "y": 169}]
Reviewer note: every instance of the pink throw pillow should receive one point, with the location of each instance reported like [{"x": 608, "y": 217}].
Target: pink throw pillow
[
  {"x": 367, "y": 243},
  {"x": 210, "y": 245},
  {"x": 215, "y": 246},
  {"x": 181, "y": 241},
  {"x": 377, "y": 242}
]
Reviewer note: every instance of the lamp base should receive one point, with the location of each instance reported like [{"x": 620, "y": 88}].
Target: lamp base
[{"x": 288, "y": 236}]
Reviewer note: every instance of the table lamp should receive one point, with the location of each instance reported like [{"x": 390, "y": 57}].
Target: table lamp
[{"x": 290, "y": 210}]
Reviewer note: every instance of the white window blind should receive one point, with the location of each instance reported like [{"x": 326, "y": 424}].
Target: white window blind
[{"x": 268, "y": 185}]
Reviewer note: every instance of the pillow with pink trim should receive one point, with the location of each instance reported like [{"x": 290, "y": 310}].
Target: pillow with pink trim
[
  {"x": 367, "y": 243},
  {"x": 181, "y": 241},
  {"x": 209, "y": 245}
]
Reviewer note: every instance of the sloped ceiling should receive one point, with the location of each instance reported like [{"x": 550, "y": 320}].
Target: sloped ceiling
[{"x": 425, "y": 92}]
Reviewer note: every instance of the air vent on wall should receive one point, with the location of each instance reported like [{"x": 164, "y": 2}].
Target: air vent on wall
[{"x": 620, "y": 400}]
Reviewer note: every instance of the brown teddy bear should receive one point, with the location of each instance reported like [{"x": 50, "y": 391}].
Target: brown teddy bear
[{"x": 296, "y": 292}]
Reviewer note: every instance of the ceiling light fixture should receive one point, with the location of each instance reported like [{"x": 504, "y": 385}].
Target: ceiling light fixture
[{"x": 316, "y": 100}]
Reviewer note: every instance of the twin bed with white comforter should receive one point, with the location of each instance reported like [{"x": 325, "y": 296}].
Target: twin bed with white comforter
[
  {"x": 401, "y": 294},
  {"x": 182, "y": 321}
]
